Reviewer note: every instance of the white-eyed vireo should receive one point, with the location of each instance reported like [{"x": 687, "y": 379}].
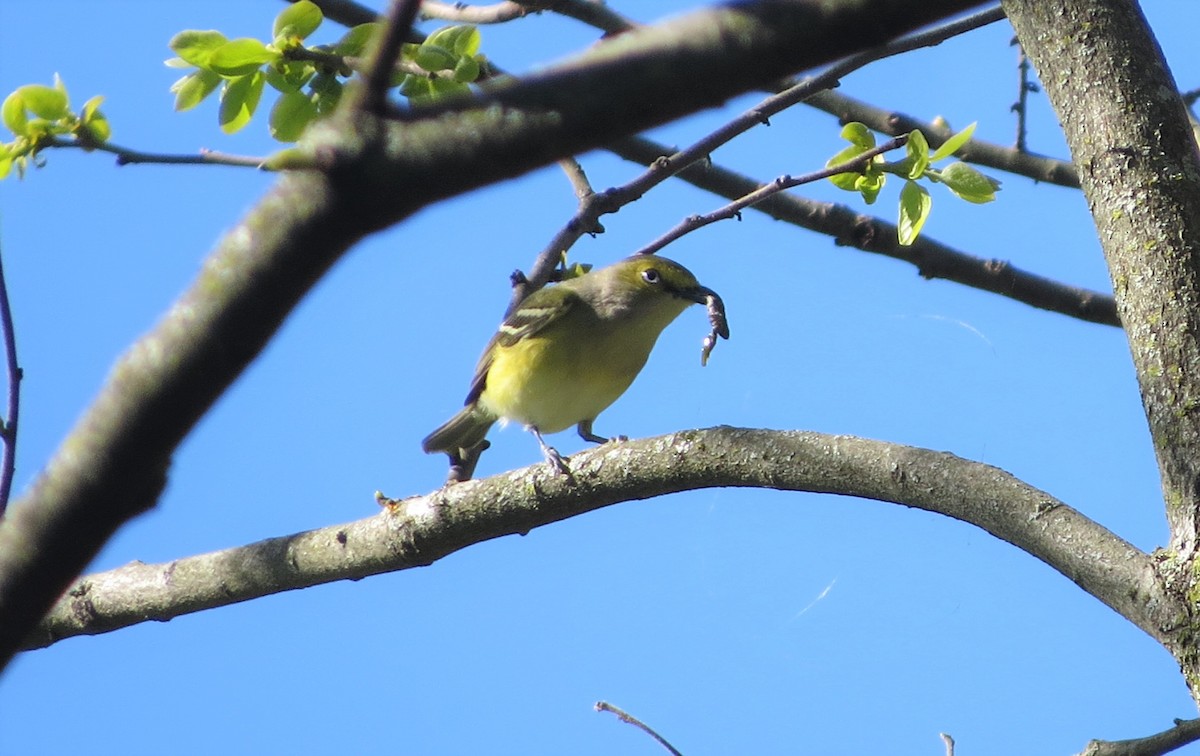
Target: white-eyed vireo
[{"x": 568, "y": 351}]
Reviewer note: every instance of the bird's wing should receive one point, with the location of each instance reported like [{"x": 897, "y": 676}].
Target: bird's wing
[{"x": 535, "y": 313}]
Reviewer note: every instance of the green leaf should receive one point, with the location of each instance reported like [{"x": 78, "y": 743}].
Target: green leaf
[
  {"x": 6, "y": 164},
  {"x": 44, "y": 102},
  {"x": 91, "y": 108},
  {"x": 191, "y": 90},
  {"x": 445, "y": 87},
  {"x": 299, "y": 19},
  {"x": 93, "y": 123},
  {"x": 95, "y": 130},
  {"x": 291, "y": 76},
  {"x": 61, "y": 87},
  {"x": 13, "y": 113},
  {"x": 327, "y": 91},
  {"x": 291, "y": 115},
  {"x": 416, "y": 87},
  {"x": 196, "y": 47},
  {"x": 869, "y": 185},
  {"x": 239, "y": 99},
  {"x": 918, "y": 154},
  {"x": 859, "y": 135},
  {"x": 915, "y": 204},
  {"x": 355, "y": 42},
  {"x": 176, "y": 63},
  {"x": 467, "y": 70},
  {"x": 460, "y": 40},
  {"x": 952, "y": 145},
  {"x": 240, "y": 57},
  {"x": 434, "y": 58},
  {"x": 847, "y": 181},
  {"x": 969, "y": 183},
  {"x": 424, "y": 89}
]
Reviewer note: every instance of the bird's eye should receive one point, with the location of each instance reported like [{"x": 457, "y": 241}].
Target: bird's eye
[{"x": 651, "y": 276}]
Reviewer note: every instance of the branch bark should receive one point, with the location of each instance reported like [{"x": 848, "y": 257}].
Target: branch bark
[
  {"x": 422, "y": 530},
  {"x": 375, "y": 173}
]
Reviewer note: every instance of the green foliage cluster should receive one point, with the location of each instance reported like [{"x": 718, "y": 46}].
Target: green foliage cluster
[
  {"x": 37, "y": 115},
  {"x": 915, "y": 202},
  {"x": 309, "y": 80}
]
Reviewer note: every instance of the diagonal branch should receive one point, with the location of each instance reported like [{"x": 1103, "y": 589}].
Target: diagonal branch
[
  {"x": 734, "y": 209},
  {"x": 419, "y": 531},
  {"x": 1183, "y": 733},
  {"x": 11, "y": 420},
  {"x": 869, "y": 234},
  {"x": 989, "y": 154}
]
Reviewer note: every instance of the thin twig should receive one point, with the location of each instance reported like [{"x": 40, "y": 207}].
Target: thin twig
[
  {"x": 949, "y": 741},
  {"x": 579, "y": 180},
  {"x": 988, "y": 154},
  {"x": 1024, "y": 87},
  {"x": 850, "y": 228},
  {"x": 733, "y": 209},
  {"x": 496, "y": 13},
  {"x": 344, "y": 65},
  {"x": 8, "y": 428},
  {"x": 593, "y": 13},
  {"x": 628, "y": 718},
  {"x": 127, "y": 156},
  {"x": 378, "y": 78}
]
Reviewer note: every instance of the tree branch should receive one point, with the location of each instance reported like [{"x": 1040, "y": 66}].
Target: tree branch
[
  {"x": 419, "y": 531},
  {"x": 384, "y": 53},
  {"x": 891, "y": 122},
  {"x": 11, "y": 420},
  {"x": 495, "y": 13},
  {"x": 628, "y": 718},
  {"x": 1183, "y": 733},
  {"x": 114, "y": 463},
  {"x": 1128, "y": 130},
  {"x": 869, "y": 234},
  {"x": 1127, "y": 126},
  {"x": 761, "y": 194},
  {"x": 127, "y": 156}
]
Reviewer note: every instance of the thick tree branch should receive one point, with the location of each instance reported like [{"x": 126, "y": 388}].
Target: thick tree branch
[
  {"x": 1128, "y": 131},
  {"x": 114, "y": 463},
  {"x": 424, "y": 529},
  {"x": 1139, "y": 168},
  {"x": 1183, "y": 733}
]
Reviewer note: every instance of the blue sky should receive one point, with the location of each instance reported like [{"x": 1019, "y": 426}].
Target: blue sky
[{"x": 732, "y": 621}]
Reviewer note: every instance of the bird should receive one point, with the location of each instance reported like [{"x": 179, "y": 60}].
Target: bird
[{"x": 567, "y": 352}]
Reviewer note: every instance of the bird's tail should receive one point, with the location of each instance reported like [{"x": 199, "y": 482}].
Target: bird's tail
[{"x": 464, "y": 431}]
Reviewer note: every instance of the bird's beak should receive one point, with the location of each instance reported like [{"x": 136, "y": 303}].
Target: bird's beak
[{"x": 716, "y": 308}]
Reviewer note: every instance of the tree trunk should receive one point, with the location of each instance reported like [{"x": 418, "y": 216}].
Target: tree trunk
[{"x": 1139, "y": 168}]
